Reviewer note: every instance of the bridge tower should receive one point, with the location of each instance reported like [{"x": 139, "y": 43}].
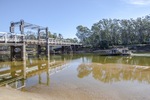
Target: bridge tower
[
  {"x": 18, "y": 51},
  {"x": 47, "y": 46}
]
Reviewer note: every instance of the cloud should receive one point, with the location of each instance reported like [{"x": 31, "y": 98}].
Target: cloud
[{"x": 138, "y": 2}]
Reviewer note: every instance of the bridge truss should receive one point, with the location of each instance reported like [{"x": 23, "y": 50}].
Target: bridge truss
[
  {"x": 18, "y": 42},
  {"x": 24, "y": 25}
]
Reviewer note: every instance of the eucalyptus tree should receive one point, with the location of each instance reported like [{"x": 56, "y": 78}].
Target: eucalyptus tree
[
  {"x": 133, "y": 32},
  {"x": 115, "y": 38},
  {"x": 55, "y": 35},
  {"x": 105, "y": 33},
  {"x": 83, "y": 33},
  {"x": 142, "y": 28},
  {"x": 147, "y": 27},
  {"x": 123, "y": 30},
  {"x": 101, "y": 35},
  {"x": 95, "y": 38},
  {"x": 116, "y": 32},
  {"x": 50, "y": 34},
  {"x": 75, "y": 40},
  {"x": 60, "y": 36}
]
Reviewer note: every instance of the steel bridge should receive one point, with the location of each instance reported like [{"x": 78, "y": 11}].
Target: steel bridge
[
  {"x": 12, "y": 38},
  {"x": 19, "y": 41}
]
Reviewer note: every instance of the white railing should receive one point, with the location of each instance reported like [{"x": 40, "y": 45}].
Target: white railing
[
  {"x": 7, "y": 37},
  {"x": 61, "y": 42},
  {"x": 2, "y": 36}
]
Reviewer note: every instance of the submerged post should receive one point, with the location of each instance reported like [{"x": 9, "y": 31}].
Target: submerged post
[{"x": 24, "y": 69}]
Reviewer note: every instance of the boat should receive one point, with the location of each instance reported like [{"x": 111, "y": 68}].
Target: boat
[{"x": 117, "y": 52}]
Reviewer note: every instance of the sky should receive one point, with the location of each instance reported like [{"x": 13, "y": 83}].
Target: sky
[{"x": 63, "y": 16}]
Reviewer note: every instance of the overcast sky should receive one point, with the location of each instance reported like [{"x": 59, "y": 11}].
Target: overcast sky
[{"x": 63, "y": 16}]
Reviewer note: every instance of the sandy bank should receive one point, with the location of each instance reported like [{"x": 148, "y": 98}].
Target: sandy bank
[
  {"x": 69, "y": 92},
  {"x": 41, "y": 92},
  {"x": 12, "y": 94}
]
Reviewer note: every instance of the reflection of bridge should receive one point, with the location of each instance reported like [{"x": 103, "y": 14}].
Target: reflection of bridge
[
  {"x": 16, "y": 75},
  {"x": 18, "y": 42}
]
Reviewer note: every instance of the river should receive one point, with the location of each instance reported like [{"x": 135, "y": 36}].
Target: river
[{"x": 81, "y": 77}]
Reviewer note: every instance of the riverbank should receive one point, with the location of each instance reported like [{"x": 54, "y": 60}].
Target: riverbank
[
  {"x": 12, "y": 94},
  {"x": 133, "y": 48},
  {"x": 41, "y": 92}
]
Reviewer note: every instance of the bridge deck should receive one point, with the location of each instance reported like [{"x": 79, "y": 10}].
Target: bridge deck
[{"x": 52, "y": 42}]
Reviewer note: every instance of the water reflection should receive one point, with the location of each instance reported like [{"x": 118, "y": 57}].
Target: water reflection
[
  {"x": 115, "y": 69},
  {"x": 105, "y": 69},
  {"x": 18, "y": 74},
  {"x": 132, "y": 60}
]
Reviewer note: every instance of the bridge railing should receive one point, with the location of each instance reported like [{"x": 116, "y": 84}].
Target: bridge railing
[
  {"x": 7, "y": 37},
  {"x": 3, "y": 36},
  {"x": 13, "y": 37},
  {"x": 55, "y": 41},
  {"x": 61, "y": 41}
]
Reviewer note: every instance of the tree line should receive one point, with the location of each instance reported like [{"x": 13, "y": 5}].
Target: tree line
[
  {"x": 110, "y": 32},
  {"x": 31, "y": 35},
  {"x": 60, "y": 36}
]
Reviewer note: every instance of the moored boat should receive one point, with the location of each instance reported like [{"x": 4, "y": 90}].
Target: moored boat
[{"x": 116, "y": 52}]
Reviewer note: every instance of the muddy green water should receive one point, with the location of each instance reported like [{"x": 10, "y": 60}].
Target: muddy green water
[{"x": 124, "y": 77}]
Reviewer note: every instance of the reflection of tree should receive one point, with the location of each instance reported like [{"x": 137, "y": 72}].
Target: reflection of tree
[
  {"x": 109, "y": 73},
  {"x": 84, "y": 71},
  {"x": 135, "y": 60}
]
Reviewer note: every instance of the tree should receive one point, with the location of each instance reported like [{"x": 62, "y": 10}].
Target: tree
[
  {"x": 75, "y": 40},
  {"x": 50, "y": 34},
  {"x": 55, "y": 35},
  {"x": 115, "y": 32},
  {"x": 60, "y": 36},
  {"x": 83, "y": 34}
]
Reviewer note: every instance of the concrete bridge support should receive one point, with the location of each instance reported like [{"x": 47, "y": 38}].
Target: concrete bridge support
[
  {"x": 63, "y": 49},
  {"x": 39, "y": 50},
  {"x": 74, "y": 47},
  {"x": 18, "y": 53},
  {"x": 43, "y": 50},
  {"x": 66, "y": 49}
]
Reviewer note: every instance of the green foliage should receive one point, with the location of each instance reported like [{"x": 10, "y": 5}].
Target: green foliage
[
  {"x": 83, "y": 34},
  {"x": 75, "y": 40},
  {"x": 54, "y": 35},
  {"x": 104, "y": 44},
  {"x": 115, "y": 32}
]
